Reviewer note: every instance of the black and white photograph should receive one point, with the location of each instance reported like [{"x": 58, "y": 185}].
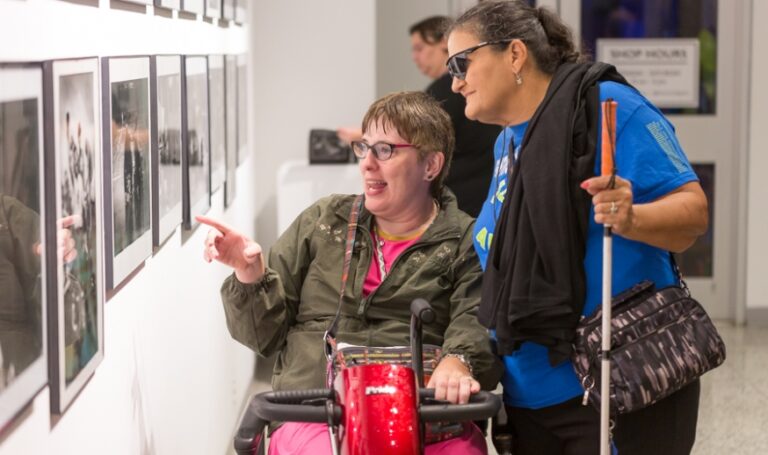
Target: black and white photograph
[
  {"x": 166, "y": 181},
  {"x": 168, "y": 4},
  {"x": 127, "y": 158},
  {"x": 230, "y": 72},
  {"x": 242, "y": 110},
  {"x": 218, "y": 127},
  {"x": 213, "y": 9},
  {"x": 228, "y": 12},
  {"x": 73, "y": 205},
  {"x": 193, "y": 6},
  {"x": 23, "y": 363},
  {"x": 196, "y": 160},
  {"x": 326, "y": 147}
]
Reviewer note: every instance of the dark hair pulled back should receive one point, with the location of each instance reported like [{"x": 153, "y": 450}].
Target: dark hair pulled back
[{"x": 548, "y": 39}]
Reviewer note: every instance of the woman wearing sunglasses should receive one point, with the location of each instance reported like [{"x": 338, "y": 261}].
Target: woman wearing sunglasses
[
  {"x": 412, "y": 241},
  {"x": 539, "y": 234}
]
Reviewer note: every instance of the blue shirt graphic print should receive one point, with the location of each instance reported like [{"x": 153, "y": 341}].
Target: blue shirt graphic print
[
  {"x": 486, "y": 220},
  {"x": 650, "y": 157}
]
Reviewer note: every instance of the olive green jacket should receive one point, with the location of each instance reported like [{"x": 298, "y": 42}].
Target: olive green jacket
[{"x": 291, "y": 307}]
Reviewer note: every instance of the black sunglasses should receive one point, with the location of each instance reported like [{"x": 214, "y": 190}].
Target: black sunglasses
[{"x": 457, "y": 63}]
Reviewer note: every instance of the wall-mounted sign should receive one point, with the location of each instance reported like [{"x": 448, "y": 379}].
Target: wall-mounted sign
[{"x": 666, "y": 71}]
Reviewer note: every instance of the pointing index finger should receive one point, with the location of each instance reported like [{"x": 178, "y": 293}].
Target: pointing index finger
[{"x": 221, "y": 227}]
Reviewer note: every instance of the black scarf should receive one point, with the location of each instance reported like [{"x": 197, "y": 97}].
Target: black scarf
[{"x": 534, "y": 284}]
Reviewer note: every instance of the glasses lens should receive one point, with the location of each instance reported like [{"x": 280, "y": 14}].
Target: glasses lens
[
  {"x": 382, "y": 151},
  {"x": 360, "y": 149},
  {"x": 457, "y": 66}
]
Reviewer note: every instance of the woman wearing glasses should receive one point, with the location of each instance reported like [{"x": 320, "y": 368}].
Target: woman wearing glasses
[
  {"x": 517, "y": 67},
  {"x": 412, "y": 241}
]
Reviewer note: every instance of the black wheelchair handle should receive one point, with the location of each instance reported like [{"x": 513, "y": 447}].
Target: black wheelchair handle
[
  {"x": 481, "y": 406},
  {"x": 282, "y": 406},
  {"x": 423, "y": 311}
]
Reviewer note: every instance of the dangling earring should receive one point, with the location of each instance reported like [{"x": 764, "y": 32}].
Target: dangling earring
[{"x": 518, "y": 79}]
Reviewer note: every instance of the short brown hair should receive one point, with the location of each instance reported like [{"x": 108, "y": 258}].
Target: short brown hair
[
  {"x": 432, "y": 29},
  {"x": 421, "y": 121}
]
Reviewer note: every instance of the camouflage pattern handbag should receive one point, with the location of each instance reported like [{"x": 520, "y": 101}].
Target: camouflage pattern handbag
[{"x": 661, "y": 341}]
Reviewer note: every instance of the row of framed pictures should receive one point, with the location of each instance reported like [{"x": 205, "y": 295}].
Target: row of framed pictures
[
  {"x": 100, "y": 161},
  {"x": 233, "y": 10}
]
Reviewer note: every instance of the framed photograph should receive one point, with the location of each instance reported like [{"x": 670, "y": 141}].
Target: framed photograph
[
  {"x": 23, "y": 353},
  {"x": 73, "y": 203},
  {"x": 141, "y": 2},
  {"x": 230, "y": 74},
  {"x": 213, "y": 9},
  {"x": 168, "y": 4},
  {"x": 241, "y": 11},
  {"x": 126, "y": 159},
  {"x": 326, "y": 147},
  {"x": 217, "y": 122},
  {"x": 166, "y": 134},
  {"x": 242, "y": 109},
  {"x": 195, "y": 159},
  {"x": 229, "y": 10},
  {"x": 193, "y": 6}
]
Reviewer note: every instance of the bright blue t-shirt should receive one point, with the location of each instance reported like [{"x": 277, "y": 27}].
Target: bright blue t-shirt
[{"x": 649, "y": 156}]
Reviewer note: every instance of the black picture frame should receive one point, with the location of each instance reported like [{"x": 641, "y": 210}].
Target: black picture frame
[
  {"x": 73, "y": 191},
  {"x": 325, "y": 147},
  {"x": 217, "y": 120},
  {"x": 24, "y": 365},
  {"x": 195, "y": 157},
  {"x": 127, "y": 158},
  {"x": 166, "y": 81},
  {"x": 230, "y": 76}
]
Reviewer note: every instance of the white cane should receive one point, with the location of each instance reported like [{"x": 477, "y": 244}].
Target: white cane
[{"x": 607, "y": 168}]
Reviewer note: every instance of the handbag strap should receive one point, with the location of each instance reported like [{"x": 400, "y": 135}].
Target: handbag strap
[
  {"x": 330, "y": 334},
  {"x": 679, "y": 274}
]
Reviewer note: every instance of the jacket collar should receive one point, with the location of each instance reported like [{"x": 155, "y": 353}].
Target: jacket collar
[{"x": 448, "y": 223}]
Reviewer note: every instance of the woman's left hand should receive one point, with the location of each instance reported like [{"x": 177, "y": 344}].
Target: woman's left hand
[
  {"x": 613, "y": 207},
  {"x": 452, "y": 381}
]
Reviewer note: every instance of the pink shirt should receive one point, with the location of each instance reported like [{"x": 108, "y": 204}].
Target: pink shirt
[{"x": 391, "y": 249}]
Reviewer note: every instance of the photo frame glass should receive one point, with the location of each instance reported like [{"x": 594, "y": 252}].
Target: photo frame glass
[
  {"x": 196, "y": 157},
  {"x": 218, "y": 116},
  {"x": 23, "y": 361},
  {"x": 230, "y": 72},
  {"x": 167, "y": 211},
  {"x": 76, "y": 321},
  {"x": 242, "y": 110},
  {"x": 127, "y": 158}
]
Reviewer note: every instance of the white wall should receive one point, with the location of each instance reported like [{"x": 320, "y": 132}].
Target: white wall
[
  {"x": 395, "y": 70},
  {"x": 172, "y": 380},
  {"x": 313, "y": 66},
  {"x": 757, "y": 225}
]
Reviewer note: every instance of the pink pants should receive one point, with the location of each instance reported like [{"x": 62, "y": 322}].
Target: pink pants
[{"x": 312, "y": 438}]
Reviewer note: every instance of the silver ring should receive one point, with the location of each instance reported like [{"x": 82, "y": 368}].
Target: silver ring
[{"x": 614, "y": 208}]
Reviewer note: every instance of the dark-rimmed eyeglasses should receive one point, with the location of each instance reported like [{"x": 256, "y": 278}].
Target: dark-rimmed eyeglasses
[
  {"x": 457, "y": 63},
  {"x": 382, "y": 151}
]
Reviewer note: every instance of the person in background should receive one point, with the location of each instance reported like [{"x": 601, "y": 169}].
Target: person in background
[
  {"x": 539, "y": 235},
  {"x": 412, "y": 242},
  {"x": 472, "y": 165}
]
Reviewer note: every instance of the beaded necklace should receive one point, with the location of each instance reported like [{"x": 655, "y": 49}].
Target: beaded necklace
[{"x": 380, "y": 243}]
